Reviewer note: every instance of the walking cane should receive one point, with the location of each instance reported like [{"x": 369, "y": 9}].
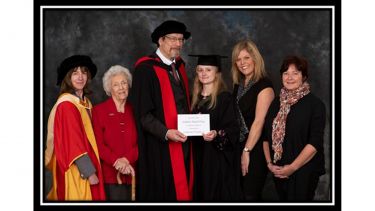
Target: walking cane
[
  {"x": 133, "y": 188},
  {"x": 118, "y": 177},
  {"x": 119, "y": 181}
]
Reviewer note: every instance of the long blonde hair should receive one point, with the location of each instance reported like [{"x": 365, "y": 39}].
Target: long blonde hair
[
  {"x": 219, "y": 86},
  {"x": 251, "y": 48}
]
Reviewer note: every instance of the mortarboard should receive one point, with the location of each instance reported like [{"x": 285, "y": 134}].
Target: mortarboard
[{"x": 212, "y": 59}]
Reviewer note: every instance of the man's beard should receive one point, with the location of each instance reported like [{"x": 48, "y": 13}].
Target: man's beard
[{"x": 175, "y": 53}]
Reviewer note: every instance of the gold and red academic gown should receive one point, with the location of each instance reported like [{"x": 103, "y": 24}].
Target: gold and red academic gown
[{"x": 70, "y": 136}]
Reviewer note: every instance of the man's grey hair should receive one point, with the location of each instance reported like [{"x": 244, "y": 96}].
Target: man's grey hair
[{"x": 113, "y": 71}]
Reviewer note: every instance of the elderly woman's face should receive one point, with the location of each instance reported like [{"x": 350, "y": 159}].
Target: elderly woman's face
[
  {"x": 79, "y": 78},
  {"x": 292, "y": 78},
  {"x": 119, "y": 87},
  {"x": 245, "y": 63}
]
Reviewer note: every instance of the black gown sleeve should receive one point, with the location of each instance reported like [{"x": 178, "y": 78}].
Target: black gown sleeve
[
  {"x": 143, "y": 98},
  {"x": 227, "y": 129},
  {"x": 153, "y": 126},
  {"x": 316, "y": 137}
]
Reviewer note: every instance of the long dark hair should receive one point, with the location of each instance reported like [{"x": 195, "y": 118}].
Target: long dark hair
[{"x": 67, "y": 86}]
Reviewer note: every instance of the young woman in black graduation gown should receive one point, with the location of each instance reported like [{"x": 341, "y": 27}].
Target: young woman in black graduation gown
[{"x": 215, "y": 161}]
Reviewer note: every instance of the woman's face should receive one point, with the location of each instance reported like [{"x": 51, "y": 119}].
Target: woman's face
[
  {"x": 119, "y": 87},
  {"x": 292, "y": 78},
  {"x": 79, "y": 79},
  {"x": 206, "y": 73},
  {"x": 245, "y": 63}
]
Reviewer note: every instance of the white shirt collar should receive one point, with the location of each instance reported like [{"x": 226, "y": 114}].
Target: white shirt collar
[{"x": 163, "y": 58}]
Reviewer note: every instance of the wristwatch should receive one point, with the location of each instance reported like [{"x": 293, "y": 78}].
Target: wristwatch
[{"x": 246, "y": 149}]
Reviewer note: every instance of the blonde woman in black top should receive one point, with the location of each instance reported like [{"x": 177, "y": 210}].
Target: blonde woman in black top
[{"x": 253, "y": 93}]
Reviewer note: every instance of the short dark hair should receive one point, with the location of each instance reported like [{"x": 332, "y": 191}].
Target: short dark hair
[
  {"x": 67, "y": 86},
  {"x": 300, "y": 63}
]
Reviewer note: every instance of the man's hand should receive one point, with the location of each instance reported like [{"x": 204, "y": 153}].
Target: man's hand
[{"x": 175, "y": 135}]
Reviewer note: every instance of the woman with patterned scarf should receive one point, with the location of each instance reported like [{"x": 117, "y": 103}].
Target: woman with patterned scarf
[{"x": 294, "y": 129}]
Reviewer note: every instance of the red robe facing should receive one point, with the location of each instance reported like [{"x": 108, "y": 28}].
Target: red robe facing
[{"x": 70, "y": 135}]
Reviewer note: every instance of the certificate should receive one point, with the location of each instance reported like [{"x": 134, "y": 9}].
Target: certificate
[{"x": 193, "y": 124}]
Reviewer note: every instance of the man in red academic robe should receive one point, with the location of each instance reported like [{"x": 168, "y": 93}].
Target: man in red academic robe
[{"x": 160, "y": 92}]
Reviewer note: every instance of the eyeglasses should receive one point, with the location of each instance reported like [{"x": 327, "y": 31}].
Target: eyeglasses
[{"x": 175, "y": 39}]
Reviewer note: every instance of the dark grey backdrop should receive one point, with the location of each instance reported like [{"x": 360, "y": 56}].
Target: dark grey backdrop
[{"x": 121, "y": 36}]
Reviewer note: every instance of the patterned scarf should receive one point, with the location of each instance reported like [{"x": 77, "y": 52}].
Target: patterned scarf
[{"x": 287, "y": 99}]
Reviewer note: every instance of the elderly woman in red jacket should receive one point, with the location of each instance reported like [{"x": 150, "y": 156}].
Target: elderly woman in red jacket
[{"x": 116, "y": 134}]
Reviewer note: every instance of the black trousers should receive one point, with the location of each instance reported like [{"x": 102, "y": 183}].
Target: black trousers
[
  {"x": 253, "y": 182},
  {"x": 298, "y": 188}
]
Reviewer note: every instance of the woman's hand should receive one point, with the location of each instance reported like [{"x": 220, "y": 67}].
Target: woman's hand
[
  {"x": 210, "y": 135},
  {"x": 128, "y": 170},
  {"x": 283, "y": 172},
  {"x": 120, "y": 164},
  {"x": 245, "y": 162},
  {"x": 273, "y": 168},
  {"x": 93, "y": 179}
]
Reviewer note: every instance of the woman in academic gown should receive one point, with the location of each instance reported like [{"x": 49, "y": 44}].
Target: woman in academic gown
[
  {"x": 72, "y": 153},
  {"x": 215, "y": 161}
]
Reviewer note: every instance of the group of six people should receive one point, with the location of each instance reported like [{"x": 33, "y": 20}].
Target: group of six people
[{"x": 95, "y": 153}]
